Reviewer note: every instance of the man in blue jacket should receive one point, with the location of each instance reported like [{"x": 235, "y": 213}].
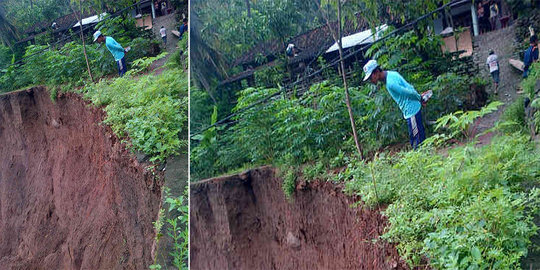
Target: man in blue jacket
[
  {"x": 116, "y": 50},
  {"x": 404, "y": 94}
]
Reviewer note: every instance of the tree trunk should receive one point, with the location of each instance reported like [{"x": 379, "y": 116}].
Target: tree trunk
[
  {"x": 454, "y": 30},
  {"x": 337, "y": 39},
  {"x": 82, "y": 38},
  {"x": 347, "y": 99},
  {"x": 248, "y": 8}
]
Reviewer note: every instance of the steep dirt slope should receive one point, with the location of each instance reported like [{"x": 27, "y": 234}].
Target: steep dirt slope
[
  {"x": 245, "y": 222},
  {"x": 71, "y": 195}
]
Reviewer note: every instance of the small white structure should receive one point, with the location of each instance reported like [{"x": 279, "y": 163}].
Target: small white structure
[
  {"x": 92, "y": 19},
  {"x": 361, "y": 38}
]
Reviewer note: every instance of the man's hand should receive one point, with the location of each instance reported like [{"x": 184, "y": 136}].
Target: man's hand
[{"x": 426, "y": 96}]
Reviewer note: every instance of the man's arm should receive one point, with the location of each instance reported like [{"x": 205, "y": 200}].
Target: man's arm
[
  {"x": 406, "y": 89},
  {"x": 116, "y": 46}
]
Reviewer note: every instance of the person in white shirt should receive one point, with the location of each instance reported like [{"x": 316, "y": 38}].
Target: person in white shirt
[
  {"x": 493, "y": 64},
  {"x": 163, "y": 33}
]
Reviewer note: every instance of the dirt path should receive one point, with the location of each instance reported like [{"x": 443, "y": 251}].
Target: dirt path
[
  {"x": 170, "y": 23},
  {"x": 503, "y": 43}
]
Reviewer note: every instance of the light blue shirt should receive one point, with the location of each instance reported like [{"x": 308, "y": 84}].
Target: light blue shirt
[
  {"x": 403, "y": 94},
  {"x": 115, "y": 48}
]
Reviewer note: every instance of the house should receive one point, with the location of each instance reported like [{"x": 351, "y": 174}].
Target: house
[
  {"x": 58, "y": 27},
  {"x": 310, "y": 45},
  {"x": 464, "y": 15},
  {"x": 320, "y": 43}
]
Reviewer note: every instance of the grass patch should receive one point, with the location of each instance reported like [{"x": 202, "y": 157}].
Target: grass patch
[
  {"x": 464, "y": 211},
  {"x": 151, "y": 110}
]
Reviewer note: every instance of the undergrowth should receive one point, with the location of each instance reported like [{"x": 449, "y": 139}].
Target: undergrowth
[
  {"x": 514, "y": 115},
  {"x": 174, "y": 222},
  {"x": 151, "y": 110},
  {"x": 467, "y": 210},
  {"x": 311, "y": 127},
  {"x": 529, "y": 87}
]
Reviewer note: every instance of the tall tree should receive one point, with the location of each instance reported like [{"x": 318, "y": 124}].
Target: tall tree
[
  {"x": 339, "y": 39},
  {"x": 79, "y": 13},
  {"x": 8, "y": 32},
  {"x": 248, "y": 9},
  {"x": 207, "y": 63}
]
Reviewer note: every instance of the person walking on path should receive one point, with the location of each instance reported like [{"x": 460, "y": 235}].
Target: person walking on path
[
  {"x": 404, "y": 94},
  {"x": 116, "y": 50},
  {"x": 531, "y": 55},
  {"x": 163, "y": 33},
  {"x": 493, "y": 64}
]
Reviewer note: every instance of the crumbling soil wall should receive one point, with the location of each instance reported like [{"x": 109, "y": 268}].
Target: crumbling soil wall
[
  {"x": 71, "y": 195},
  {"x": 245, "y": 222}
]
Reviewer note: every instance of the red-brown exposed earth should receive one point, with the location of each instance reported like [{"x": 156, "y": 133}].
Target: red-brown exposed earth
[
  {"x": 71, "y": 195},
  {"x": 245, "y": 222}
]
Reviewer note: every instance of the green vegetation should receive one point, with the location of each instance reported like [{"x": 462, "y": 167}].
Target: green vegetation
[
  {"x": 245, "y": 26},
  {"x": 466, "y": 210},
  {"x": 311, "y": 127},
  {"x": 177, "y": 229},
  {"x": 514, "y": 116},
  {"x": 45, "y": 64},
  {"x": 528, "y": 84},
  {"x": 457, "y": 207},
  {"x": 459, "y": 123},
  {"x": 176, "y": 222},
  {"x": 529, "y": 87},
  {"x": 151, "y": 110}
]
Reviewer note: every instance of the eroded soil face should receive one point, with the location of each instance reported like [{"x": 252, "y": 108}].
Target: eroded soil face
[
  {"x": 245, "y": 222},
  {"x": 71, "y": 195}
]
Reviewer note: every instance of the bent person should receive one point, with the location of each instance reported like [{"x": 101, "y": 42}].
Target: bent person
[
  {"x": 404, "y": 94},
  {"x": 116, "y": 50},
  {"x": 531, "y": 55}
]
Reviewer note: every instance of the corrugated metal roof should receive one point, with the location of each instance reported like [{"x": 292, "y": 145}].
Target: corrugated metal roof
[
  {"x": 360, "y": 38},
  {"x": 91, "y": 19}
]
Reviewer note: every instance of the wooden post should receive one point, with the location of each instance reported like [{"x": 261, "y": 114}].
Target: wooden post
[{"x": 82, "y": 38}]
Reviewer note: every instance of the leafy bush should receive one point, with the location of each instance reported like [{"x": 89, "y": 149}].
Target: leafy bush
[
  {"x": 289, "y": 182},
  {"x": 5, "y": 56},
  {"x": 46, "y": 65},
  {"x": 316, "y": 122},
  {"x": 142, "y": 47},
  {"x": 514, "y": 115},
  {"x": 460, "y": 122},
  {"x": 529, "y": 83},
  {"x": 151, "y": 110},
  {"x": 464, "y": 211},
  {"x": 177, "y": 227},
  {"x": 529, "y": 87},
  {"x": 270, "y": 76}
]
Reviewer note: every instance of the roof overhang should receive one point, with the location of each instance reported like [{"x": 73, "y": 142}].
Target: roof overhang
[
  {"x": 360, "y": 38},
  {"x": 91, "y": 19}
]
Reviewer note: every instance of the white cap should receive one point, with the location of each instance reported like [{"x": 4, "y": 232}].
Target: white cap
[
  {"x": 96, "y": 35},
  {"x": 369, "y": 67}
]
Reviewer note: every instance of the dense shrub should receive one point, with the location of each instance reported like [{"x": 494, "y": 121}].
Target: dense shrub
[
  {"x": 5, "y": 56},
  {"x": 466, "y": 210},
  {"x": 151, "y": 110},
  {"x": 44, "y": 65},
  {"x": 312, "y": 127}
]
